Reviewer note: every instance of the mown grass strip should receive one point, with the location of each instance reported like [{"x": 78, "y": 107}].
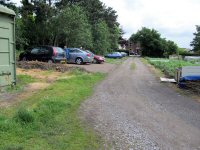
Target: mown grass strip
[
  {"x": 48, "y": 119},
  {"x": 133, "y": 66},
  {"x": 116, "y": 61}
]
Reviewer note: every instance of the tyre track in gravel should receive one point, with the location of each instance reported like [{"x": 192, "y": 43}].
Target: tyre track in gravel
[{"x": 133, "y": 110}]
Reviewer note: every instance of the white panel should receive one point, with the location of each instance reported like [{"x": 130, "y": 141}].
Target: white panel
[{"x": 190, "y": 71}]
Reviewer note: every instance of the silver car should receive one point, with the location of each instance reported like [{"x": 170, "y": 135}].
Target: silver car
[
  {"x": 79, "y": 56},
  {"x": 91, "y": 54}
]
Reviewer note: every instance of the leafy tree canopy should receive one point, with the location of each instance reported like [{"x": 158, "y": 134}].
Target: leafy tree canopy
[
  {"x": 75, "y": 23},
  {"x": 152, "y": 44},
  {"x": 196, "y": 41}
]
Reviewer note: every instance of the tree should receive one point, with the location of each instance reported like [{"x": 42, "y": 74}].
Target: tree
[
  {"x": 114, "y": 37},
  {"x": 75, "y": 23},
  {"x": 101, "y": 37},
  {"x": 152, "y": 44},
  {"x": 171, "y": 48},
  {"x": 73, "y": 28},
  {"x": 196, "y": 41},
  {"x": 21, "y": 41},
  {"x": 9, "y": 4}
]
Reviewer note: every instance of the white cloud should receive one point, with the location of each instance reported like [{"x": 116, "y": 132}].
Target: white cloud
[
  {"x": 174, "y": 19},
  {"x": 18, "y": 3}
]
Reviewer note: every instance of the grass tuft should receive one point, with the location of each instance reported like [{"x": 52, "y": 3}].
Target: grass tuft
[{"x": 23, "y": 116}]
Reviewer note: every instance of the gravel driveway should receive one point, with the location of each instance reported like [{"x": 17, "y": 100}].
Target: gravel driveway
[
  {"x": 103, "y": 68},
  {"x": 133, "y": 110}
]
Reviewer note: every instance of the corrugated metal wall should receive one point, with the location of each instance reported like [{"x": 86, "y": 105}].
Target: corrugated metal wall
[{"x": 7, "y": 50}]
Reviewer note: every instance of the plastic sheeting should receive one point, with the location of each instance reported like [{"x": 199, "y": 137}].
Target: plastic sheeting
[{"x": 189, "y": 78}]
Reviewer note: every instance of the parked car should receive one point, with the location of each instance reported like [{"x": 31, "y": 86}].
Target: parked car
[
  {"x": 96, "y": 58},
  {"x": 48, "y": 54},
  {"x": 92, "y": 54},
  {"x": 114, "y": 55},
  {"x": 123, "y": 54},
  {"x": 79, "y": 56}
]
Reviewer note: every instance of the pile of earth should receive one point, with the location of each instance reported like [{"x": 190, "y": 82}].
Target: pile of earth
[
  {"x": 47, "y": 66},
  {"x": 193, "y": 86}
]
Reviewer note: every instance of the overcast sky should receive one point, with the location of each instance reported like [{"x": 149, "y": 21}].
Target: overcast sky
[{"x": 174, "y": 19}]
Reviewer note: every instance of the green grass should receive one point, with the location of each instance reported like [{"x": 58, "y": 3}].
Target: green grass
[
  {"x": 22, "y": 80},
  {"x": 48, "y": 119},
  {"x": 133, "y": 66},
  {"x": 169, "y": 66},
  {"x": 116, "y": 61}
]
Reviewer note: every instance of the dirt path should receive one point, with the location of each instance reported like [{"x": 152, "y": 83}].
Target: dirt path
[
  {"x": 44, "y": 80},
  {"x": 133, "y": 110}
]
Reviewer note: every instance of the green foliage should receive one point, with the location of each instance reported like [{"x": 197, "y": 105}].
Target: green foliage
[
  {"x": 101, "y": 38},
  {"x": 181, "y": 51},
  {"x": 9, "y": 4},
  {"x": 152, "y": 44},
  {"x": 196, "y": 41},
  {"x": 74, "y": 31},
  {"x": 48, "y": 119},
  {"x": 169, "y": 66},
  {"x": 115, "y": 61},
  {"x": 23, "y": 116},
  {"x": 22, "y": 80},
  {"x": 75, "y": 23}
]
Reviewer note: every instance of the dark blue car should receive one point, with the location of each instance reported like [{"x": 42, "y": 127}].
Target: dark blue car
[{"x": 114, "y": 55}]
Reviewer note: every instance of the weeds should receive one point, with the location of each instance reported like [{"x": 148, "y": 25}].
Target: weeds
[
  {"x": 48, "y": 119},
  {"x": 169, "y": 66},
  {"x": 22, "y": 80},
  {"x": 23, "y": 116}
]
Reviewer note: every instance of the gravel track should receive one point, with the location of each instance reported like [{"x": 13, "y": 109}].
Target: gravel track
[{"x": 131, "y": 109}]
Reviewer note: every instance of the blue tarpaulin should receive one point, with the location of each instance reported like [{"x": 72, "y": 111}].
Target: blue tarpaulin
[
  {"x": 189, "y": 78},
  {"x": 183, "y": 80}
]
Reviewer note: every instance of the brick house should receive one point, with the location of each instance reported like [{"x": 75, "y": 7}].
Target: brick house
[{"x": 133, "y": 48}]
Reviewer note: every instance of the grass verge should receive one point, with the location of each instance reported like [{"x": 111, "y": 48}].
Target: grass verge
[
  {"x": 48, "y": 119},
  {"x": 133, "y": 66},
  {"x": 116, "y": 61},
  {"x": 168, "y": 66},
  {"x": 22, "y": 80},
  {"x": 152, "y": 68}
]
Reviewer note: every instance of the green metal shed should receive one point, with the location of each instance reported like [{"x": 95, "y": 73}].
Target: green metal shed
[{"x": 7, "y": 47}]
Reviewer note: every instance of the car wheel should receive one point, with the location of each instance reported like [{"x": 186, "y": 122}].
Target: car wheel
[
  {"x": 79, "y": 61},
  {"x": 50, "y": 61},
  {"x": 24, "y": 58}
]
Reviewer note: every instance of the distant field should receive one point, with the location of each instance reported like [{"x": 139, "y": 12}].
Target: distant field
[{"x": 169, "y": 66}]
